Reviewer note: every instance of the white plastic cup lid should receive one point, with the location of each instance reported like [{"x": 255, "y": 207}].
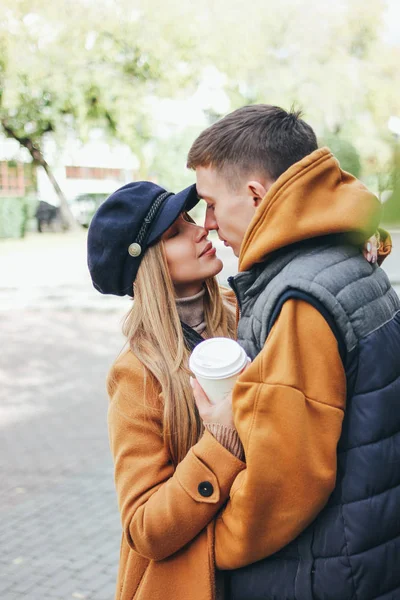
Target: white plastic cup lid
[{"x": 217, "y": 358}]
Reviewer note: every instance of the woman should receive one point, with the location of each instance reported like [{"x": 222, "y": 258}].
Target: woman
[
  {"x": 173, "y": 474},
  {"x": 172, "y": 477}
]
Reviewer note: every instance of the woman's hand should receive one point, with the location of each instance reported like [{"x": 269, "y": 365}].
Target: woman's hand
[
  {"x": 370, "y": 250},
  {"x": 220, "y": 413}
]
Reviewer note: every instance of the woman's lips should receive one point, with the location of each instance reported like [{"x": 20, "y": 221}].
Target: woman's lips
[{"x": 209, "y": 250}]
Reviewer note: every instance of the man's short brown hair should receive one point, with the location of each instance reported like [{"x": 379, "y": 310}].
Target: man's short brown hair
[{"x": 254, "y": 139}]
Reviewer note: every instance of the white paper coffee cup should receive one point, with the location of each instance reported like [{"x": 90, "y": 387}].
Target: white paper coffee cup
[{"x": 216, "y": 363}]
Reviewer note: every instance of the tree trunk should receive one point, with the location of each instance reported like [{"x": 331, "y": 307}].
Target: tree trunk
[
  {"x": 67, "y": 215},
  {"x": 38, "y": 158}
]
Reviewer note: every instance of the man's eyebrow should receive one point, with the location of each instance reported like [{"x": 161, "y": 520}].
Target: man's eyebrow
[{"x": 204, "y": 196}]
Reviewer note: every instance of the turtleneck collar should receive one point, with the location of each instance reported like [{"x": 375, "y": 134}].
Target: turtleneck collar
[{"x": 191, "y": 311}]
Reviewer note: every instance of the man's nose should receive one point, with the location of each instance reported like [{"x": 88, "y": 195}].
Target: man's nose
[{"x": 210, "y": 222}]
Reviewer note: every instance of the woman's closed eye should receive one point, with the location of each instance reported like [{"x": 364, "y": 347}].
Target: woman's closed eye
[{"x": 172, "y": 232}]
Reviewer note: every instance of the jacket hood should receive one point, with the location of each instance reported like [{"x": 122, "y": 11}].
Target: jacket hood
[{"x": 313, "y": 198}]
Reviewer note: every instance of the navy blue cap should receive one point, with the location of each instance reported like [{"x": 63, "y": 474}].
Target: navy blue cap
[{"x": 124, "y": 226}]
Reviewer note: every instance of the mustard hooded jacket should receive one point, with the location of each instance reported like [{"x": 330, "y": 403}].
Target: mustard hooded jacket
[{"x": 289, "y": 404}]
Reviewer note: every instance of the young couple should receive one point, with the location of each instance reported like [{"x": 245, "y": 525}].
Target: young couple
[{"x": 289, "y": 490}]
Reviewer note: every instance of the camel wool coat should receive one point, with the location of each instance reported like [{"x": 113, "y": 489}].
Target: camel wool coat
[{"x": 167, "y": 546}]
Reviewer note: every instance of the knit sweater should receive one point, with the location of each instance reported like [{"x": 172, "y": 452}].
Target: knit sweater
[{"x": 191, "y": 311}]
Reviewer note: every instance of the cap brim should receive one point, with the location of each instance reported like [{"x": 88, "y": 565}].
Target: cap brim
[{"x": 172, "y": 207}]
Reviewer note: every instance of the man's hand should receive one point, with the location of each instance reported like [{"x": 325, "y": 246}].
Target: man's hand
[{"x": 370, "y": 250}]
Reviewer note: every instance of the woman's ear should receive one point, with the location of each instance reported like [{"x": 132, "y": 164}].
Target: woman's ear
[{"x": 257, "y": 190}]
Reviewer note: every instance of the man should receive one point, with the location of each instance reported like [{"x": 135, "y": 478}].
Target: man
[{"x": 316, "y": 511}]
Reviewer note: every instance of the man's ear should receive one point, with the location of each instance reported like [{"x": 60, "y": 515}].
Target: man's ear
[{"x": 257, "y": 190}]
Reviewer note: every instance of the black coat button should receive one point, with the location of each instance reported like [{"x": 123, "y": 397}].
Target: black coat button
[{"x": 205, "y": 489}]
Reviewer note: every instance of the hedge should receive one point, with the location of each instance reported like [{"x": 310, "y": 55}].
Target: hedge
[{"x": 13, "y": 217}]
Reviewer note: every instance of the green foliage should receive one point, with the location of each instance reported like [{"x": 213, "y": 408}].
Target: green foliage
[
  {"x": 345, "y": 152},
  {"x": 67, "y": 67},
  {"x": 331, "y": 60},
  {"x": 391, "y": 209},
  {"x": 13, "y": 217},
  {"x": 73, "y": 65}
]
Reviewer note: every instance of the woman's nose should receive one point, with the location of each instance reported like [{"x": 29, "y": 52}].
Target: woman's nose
[{"x": 200, "y": 233}]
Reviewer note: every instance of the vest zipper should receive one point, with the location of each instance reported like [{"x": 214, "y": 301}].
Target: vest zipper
[{"x": 232, "y": 285}]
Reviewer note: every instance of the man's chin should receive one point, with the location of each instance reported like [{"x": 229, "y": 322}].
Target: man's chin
[{"x": 235, "y": 250}]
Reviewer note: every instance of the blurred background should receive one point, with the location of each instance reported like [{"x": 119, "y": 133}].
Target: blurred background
[{"x": 96, "y": 94}]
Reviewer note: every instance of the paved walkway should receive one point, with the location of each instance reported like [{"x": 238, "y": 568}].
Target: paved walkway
[{"x": 59, "y": 524}]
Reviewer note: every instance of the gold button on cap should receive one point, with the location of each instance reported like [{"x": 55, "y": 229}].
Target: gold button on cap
[{"x": 135, "y": 249}]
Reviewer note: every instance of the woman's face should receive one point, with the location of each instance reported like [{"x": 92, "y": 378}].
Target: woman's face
[{"x": 190, "y": 256}]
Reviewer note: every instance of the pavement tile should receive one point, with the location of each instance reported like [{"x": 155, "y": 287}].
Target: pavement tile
[
  {"x": 12, "y": 596},
  {"x": 59, "y": 578},
  {"x": 6, "y": 583},
  {"x": 39, "y": 594},
  {"x": 27, "y": 583}
]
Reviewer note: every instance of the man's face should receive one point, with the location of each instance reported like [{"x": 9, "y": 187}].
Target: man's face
[{"x": 229, "y": 210}]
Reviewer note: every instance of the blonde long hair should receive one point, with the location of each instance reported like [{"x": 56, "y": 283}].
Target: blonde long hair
[{"x": 155, "y": 336}]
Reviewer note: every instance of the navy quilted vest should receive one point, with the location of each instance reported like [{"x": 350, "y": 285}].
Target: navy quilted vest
[{"x": 352, "y": 550}]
